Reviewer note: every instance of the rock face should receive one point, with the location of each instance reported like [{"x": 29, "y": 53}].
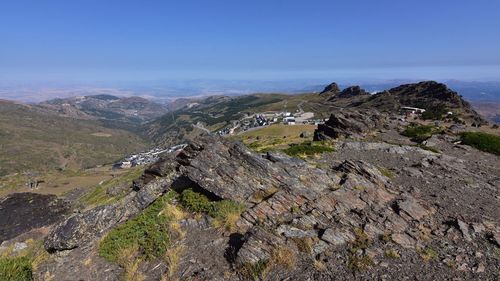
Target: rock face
[
  {"x": 21, "y": 212},
  {"x": 350, "y": 123},
  {"x": 426, "y": 95}
]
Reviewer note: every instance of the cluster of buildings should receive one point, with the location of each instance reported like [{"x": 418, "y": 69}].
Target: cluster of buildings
[
  {"x": 268, "y": 118},
  {"x": 145, "y": 158}
]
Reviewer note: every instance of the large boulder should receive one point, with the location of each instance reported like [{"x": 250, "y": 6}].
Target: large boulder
[{"x": 350, "y": 122}]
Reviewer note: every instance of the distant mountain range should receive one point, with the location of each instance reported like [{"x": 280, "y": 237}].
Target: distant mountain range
[
  {"x": 95, "y": 129},
  {"x": 166, "y": 91}
]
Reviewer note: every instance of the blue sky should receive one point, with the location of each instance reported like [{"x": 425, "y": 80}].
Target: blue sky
[{"x": 186, "y": 39}]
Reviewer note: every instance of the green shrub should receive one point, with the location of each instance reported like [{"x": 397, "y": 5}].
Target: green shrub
[
  {"x": 419, "y": 133},
  {"x": 482, "y": 141},
  {"x": 16, "y": 269},
  {"x": 307, "y": 149},
  {"x": 225, "y": 212},
  {"x": 434, "y": 112},
  {"x": 149, "y": 231},
  {"x": 197, "y": 202}
]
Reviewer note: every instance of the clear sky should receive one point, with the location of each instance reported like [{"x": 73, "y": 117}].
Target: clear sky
[{"x": 253, "y": 39}]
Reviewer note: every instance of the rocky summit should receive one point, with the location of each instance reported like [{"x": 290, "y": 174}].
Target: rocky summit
[{"x": 348, "y": 216}]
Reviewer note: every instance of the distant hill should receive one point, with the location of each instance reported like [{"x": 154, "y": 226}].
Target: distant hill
[
  {"x": 489, "y": 109},
  {"x": 217, "y": 112},
  {"x": 429, "y": 95},
  {"x": 107, "y": 107},
  {"x": 37, "y": 138}
]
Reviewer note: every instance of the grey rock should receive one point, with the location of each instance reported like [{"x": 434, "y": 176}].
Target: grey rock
[{"x": 337, "y": 237}]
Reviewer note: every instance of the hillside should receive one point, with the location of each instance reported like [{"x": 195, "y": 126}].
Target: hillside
[
  {"x": 215, "y": 113},
  {"x": 429, "y": 95},
  {"x": 114, "y": 112},
  {"x": 363, "y": 196},
  {"x": 34, "y": 138}
]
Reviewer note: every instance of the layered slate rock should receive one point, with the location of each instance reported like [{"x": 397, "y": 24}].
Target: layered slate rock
[
  {"x": 350, "y": 123},
  {"x": 316, "y": 214}
]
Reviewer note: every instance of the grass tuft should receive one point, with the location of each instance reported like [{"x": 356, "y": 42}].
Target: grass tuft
[{"x": 16, "y": 269}]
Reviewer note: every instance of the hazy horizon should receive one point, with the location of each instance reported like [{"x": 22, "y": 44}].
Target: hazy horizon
[{"x": 119, "y": 42}]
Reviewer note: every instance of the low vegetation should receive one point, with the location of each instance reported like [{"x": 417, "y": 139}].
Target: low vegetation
[
  {"x": 435, "y": 112},
  {"x": 420, "y": 133},
  {"x": 386, "y": 172},
  {"x": 428, "y": 254},
  {"x": 42, "y": 141},
  {"x": 19, "y": 266},
  {"x": 148, "y": 233},
  {"x": 99, "y": 195},
  {"x": 224, "y": 212},
  {"x": 281, "y": 257},
  {"x": 357, "y": 261},
  {"x": 16, "y": 269},
  {"x": 482, "y": 141},
  {"x": 308, "y": 149}
]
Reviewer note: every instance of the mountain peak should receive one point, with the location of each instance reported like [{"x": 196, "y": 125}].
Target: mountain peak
[{"x": 332, "y": 88}]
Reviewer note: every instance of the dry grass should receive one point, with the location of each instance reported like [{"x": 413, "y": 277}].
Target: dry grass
[
  {"x": 277, "y": 136},
  {"x": 283, "y": 257},
  {"x": 128, "y": 260},
  {"x": 172, "y": 258},
  {"x": 428, "y": 254},
  {"x": 392, "y": 254},
  {"x": 319, "y": 265},
  {"x": 304, "y": 244},
  {"x": 228, "y": 222}
]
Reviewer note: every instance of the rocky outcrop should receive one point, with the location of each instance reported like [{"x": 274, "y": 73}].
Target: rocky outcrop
[
  {"x": 331, "y": 89},
  {"x": 22, "y": 212},
  {"x": 351, "y": 92},
  {"x": 350, "y": 123},
  {"x": 81, "y": 229},
  {"x": 341, "y": 214}
]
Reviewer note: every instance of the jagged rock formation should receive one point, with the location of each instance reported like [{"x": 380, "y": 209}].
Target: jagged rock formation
[
  {"x": 331, "y": 89},
  {"x": 350, "y": 92},
  {"x": 350, "y": 123},
  {"x": 329, "y": 222},
  {"x": 427, "y": 95}
]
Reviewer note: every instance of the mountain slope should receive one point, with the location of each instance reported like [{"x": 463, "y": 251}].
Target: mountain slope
[
  {"x": 429, "y": 95},
  {"x": 107, "y": 107},
  {"x": 34, "y": 138}
]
